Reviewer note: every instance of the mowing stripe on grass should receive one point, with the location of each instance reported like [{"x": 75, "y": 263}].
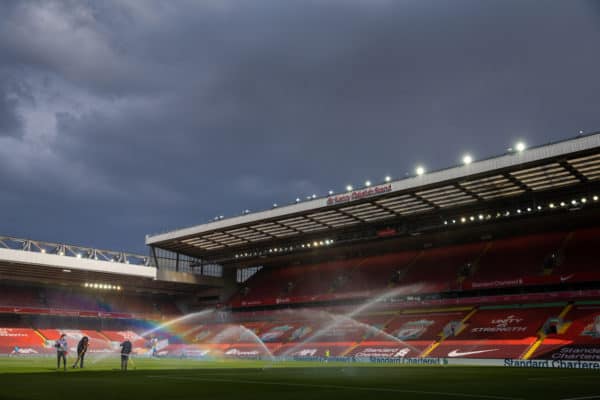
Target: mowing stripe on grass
[{"x": 326, "y": 386}]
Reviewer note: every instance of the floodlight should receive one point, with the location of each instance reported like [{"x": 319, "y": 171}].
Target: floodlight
[
  {"x": 520, "y": 146},
  {"x": 467, "y": 159},
  {"x": 420, "y": 170},
  {"x": 388, "y": 178},
  {"x": 368, "y": 183}
]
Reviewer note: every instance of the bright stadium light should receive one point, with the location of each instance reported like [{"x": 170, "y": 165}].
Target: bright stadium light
[
  {"x": 467, "y": 159},
  {"x": 368, "y": 183},
  {"x": 595, "y": 198},
  {"x": 583, "y": 200},
  {"x": 78, "y": 255},
  {"x": 274, "y": 205},
  {"x": 314, "y": 196},
  {"x": 388, "y": 178},
  {"x": 349, "y": 188},
  {"x": 330, "y": 192},
  {"x": 420, "y": 170},
  {"x": 520, "y": 146},
  {"x": 297, "y": 199}
]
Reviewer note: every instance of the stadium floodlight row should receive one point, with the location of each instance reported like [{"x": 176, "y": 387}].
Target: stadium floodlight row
[{"x": 536, "y": 177}]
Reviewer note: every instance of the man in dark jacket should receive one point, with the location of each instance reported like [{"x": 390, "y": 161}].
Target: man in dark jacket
[
  {"x": 125, "y": 352},
  {"x": 82, "y": 348}
]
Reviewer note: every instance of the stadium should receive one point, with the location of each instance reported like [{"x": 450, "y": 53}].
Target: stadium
[{"x": 476, "y": 281}]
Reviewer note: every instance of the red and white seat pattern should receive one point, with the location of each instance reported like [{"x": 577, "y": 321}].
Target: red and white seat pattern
[
  {"x": 497, "y": 333},
  {"x": 578, "y": 336}
]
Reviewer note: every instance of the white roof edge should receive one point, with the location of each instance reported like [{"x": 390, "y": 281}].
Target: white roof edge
[
  {"x": 81, "y": 264},
  {"x": 477, "y": 167}
]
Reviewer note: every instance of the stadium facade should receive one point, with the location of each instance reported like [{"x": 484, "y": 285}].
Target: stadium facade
[{"x": 494, "y": 259}]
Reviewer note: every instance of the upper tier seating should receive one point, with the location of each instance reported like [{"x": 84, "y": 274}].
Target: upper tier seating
[
  {"x": 513, "y": 258},
  {"x": 581, "y": 253},
  {"x": 540, "y": 258}
]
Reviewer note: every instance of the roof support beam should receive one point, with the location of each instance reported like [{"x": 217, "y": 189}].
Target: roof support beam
[
  {"x": 573, "y": 171},
  {"x": 516, "y": 182}
]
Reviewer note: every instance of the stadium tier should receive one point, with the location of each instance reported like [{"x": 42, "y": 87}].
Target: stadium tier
[
  {"x": 541, "y": 331},
  {"x": 548, "y": 258}
]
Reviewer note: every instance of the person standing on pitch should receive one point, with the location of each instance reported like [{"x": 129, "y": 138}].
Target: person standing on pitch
[
  {"x": 82, "y": 348},
  {"x": 125, "y": 352},
  {"x": 61, "y": 351}
]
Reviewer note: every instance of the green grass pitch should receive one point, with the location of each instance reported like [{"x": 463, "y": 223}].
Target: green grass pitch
[{"x": 37, "y": 378}]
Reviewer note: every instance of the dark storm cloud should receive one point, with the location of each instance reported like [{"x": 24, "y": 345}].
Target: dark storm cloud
[
  {"x": 141, "y": 116},
  {"x": 10, "y": 122}
]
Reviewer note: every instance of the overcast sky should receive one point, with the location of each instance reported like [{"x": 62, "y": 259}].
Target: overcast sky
[{"x": 121, "y": 118}]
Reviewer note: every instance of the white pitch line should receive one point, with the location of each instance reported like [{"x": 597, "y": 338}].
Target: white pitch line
[
  {"x": 325, "y": 386},
  {"x": 583, "y": 398}
]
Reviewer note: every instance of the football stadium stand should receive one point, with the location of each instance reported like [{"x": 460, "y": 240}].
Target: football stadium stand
[{"x": 494, "y": 260}]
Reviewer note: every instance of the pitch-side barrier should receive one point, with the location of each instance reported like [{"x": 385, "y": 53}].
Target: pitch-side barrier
[{"x": 508, "y": 362}]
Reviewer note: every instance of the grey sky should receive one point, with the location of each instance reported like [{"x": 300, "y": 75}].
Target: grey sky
[{"x": 121, "y": 118}]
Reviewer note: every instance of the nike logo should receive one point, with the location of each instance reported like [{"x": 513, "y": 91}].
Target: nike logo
[
  {"x": 566, "y": 278},
  {"x": 456, "y": 353}
]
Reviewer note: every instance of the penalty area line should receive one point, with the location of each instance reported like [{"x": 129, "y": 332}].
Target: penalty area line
[{"x": 326, "y": 386}]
